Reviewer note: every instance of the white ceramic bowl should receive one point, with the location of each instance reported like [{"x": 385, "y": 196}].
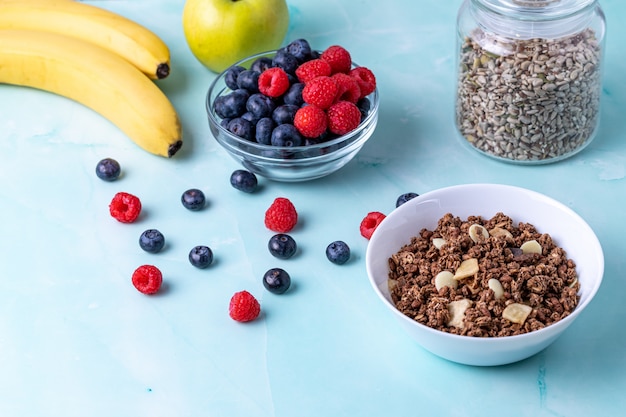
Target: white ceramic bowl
[{"x": 567, "y": 229}]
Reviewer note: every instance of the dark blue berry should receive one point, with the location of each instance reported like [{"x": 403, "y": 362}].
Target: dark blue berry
[
  {"x": 249, "y": 80},
  {"x": 151, "y": 241},
  {"x": 261, "y": 64},
  {"x": 224, "y": 123},
  {"x": 242, "y": 128},
  {"x": 193, "y": 199},
  {"x": 294, "y": 95},
  {"x": 263, "y": 131},
  {"x": 232, "y": 104},
  {"x": 251, "y": 118},
  {"x": 108, "y": 169},
  {"x": 338, "y": 252},
  {"x": 286, "y": 61},
  {"x": 404, "y": 198},
  {"x": 284, "y": 113},
  {"x": 244, "y": 180},
  {"x": 260, "y": 105},
  {"x": 201, "y": 257},
  {"x": 230, "y": 77},
  {"x": 276, "y": 280},
  {"x": 286, "y": 135},
  {"x": 282, "y": 246},
  {"x": 300, "y": 48}
]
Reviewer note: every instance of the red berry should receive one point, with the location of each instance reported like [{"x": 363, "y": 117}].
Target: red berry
[
  {"x": 125, "y": 207},
  {"x": 320, "y": 91},
  {"x": 370, "y": 223},
  {"x": 311, "y": 69},
  {"x": 273, "y": 82},
  {"x": 348, "y": 88},
  {"x": 310, "y": 121},
  {"x": 281, "y": 216},
  {"x": 147, "y": 279},
  {"x": 243, "y": 307},
  {"x": 365, "y": 79},
  {"x": 338, "y": 58},
  {"x": 343, "y": 117}
]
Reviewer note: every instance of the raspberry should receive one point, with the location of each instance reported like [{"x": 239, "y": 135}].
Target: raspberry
[
  {"x": 348, "y": 88},
  {"x": 243, "y": 307},
  {"x": 312, "y": 69},
  {"x": 365, "y": 79},
  {"x": 125, "y": 207},
  {"x": 343, "y": 117},
  {"x": 147, "y": 279},
  {"x": 273, "y": 82},
  {"x": 370, "y": 223},
  {"x": 310, "y": 121},
  {"x": 281, "y": 216},
  {"x": 338, "y": 58},
  {"x": 320, "y": 91}
]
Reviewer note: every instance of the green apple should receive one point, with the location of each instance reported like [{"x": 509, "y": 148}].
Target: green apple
[{"x": 221, "y": 32}]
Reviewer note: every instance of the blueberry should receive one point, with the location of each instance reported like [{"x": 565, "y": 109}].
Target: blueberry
[
  {"x": 201, "y": 257},
  {"x": 294, "y": 95},
  {"x": 300, "y": 48},
  {"x": 286, "y": 61},
  {"x": 151, "y": 241},
  {"x": 230, "y": 77},
  {"x": 364, "y": 106},
  {"x": 193, "y": 199},
  {"x": 232, "y": 104},
  {"x": 260, "y": 105},
  {"x": 242, "y": 128},
  {"x": 224, "y": 123},
  {"x": 284, "y": 113},
  {"x": 404, "y": 198},
  {"x": 251, "y": 118},
  {"x": 282, "y": 246},
  {"x": 276, "y": 280},
  {"x": 108, "y": 169},
  {"x": 243, "y": 180},
  {"x": 338, "y": 252},
  {"x": 261, "y": 64},
  {"x": 263, "y": 131},
  {"x": 286, "y": 135},
  {"x": 249, "y": 80}
]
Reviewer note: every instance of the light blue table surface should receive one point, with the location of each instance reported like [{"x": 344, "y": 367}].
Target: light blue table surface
[{"x": 77, "y": 340}]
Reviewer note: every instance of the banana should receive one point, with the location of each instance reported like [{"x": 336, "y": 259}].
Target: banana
[
  {"x": 107, "y": 29},
  {"x": 96, "y": 78}
]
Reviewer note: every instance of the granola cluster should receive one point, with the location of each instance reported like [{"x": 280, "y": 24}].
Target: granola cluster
[{"x": 483, "y": 277}]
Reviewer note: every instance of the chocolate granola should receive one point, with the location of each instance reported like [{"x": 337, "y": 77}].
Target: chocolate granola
[{"x": 483, "y": 277}]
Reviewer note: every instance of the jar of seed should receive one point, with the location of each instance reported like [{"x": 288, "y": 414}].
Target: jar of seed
[{"x": 529, "y": 77}]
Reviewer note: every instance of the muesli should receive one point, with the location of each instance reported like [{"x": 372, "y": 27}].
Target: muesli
[{"x": 483, "y": 277}]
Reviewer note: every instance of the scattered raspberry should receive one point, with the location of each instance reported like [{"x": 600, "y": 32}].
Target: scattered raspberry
[
  {"x": 320, "y": 91},
  {"x": 125, "y": 207},
  {"x": 243, "y": 307},
  {"x": 343, "y": 117},
  {"x": 348, "y": 88},
  {"x": 338, "y": 58},
  {"x": 310, "y": 121},
  {"x": 312, "y": 69},
  {"x": 147, "y": 279},
  {"x": 273, "y": 82},
  {"x": 370, "y": 223},
  {"x": 281, "y": 216},
  {"x": 365, "y": 79}
]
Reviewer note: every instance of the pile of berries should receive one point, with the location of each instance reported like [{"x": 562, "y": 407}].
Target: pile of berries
[{"x": 299, "y": 97}]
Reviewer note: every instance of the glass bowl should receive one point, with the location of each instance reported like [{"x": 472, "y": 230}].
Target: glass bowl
[{"x": 289, "y": 164}]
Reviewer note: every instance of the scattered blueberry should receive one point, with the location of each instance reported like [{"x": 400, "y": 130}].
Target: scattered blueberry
[
  {"x": 232, "y": 104},
  {"x": 338, "y": 252},
  {"x": 242, "y": 128},
  {"x": 249, "y": 80},
  {"x": 300, "y": 48},
  {"x": 201, "y": 257},
  {"x": 108, "y": 169},
  {"x": 282, "y": 246},
  {"x": 286, "y": 135},
  {"x": 284, "y": 113},
  {"x": 294, "y": 94},
  {"x": 193, "y": 199},
  {"x": 263, "y": 131},
  {"x": 152, "y": 241},
  {"x": 261, "y": 64},
  {"x": 276, "y": 280},
  {"x": 230, "y": 78},
  {"x": 260, "y": 105},
  {"x": 251, "y": 118},
  {"x": 286, "y": 61},
  {"x": 404, "y": 198},
  {"x": 244, "y": 180}
]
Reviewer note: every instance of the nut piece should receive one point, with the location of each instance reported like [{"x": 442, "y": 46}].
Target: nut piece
[
  {"x": 438, "y": 242},
  {"x": 445, "y": 279},
  {"x": 496, "y": 287},
  {"x": 478, "y": 232},
  {"x": 532, "y": 246},
  {"x": 499, "y": 231},
  {"x": 468, "y": 268},
  {"x": 516, "y": 312},
  {"x": 457, "y": 312}
]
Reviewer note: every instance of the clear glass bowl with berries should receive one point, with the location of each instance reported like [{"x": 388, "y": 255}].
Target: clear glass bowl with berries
[{"x": 294, "y": 114}]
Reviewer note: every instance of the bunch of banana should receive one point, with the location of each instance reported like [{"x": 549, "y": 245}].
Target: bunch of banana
[{"x": 95, "y": 57}]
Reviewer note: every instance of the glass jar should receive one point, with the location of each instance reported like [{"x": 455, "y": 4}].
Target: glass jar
[{"x": 529, "y": 77}]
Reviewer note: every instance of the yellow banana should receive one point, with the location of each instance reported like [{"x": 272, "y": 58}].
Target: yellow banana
[
  {"x": 107, "y": 29},
  {"x": 96, "y": 78}
]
